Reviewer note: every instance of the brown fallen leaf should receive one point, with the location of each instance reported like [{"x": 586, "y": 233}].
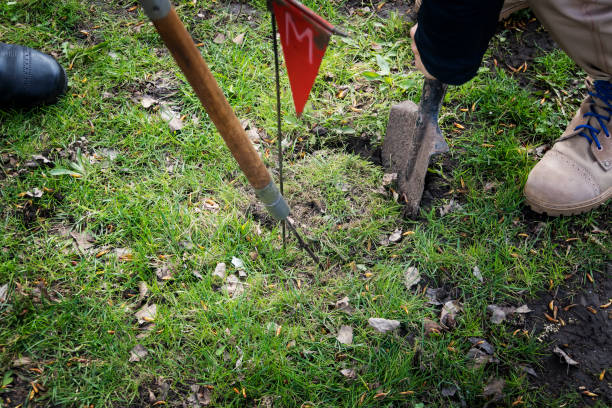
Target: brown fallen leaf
[
  {"x": 176, "y": 124},
  {"x": 477, "y": 274},
  {"x": 146, "y": 314},
  {"x": 83, "y": 240},
  {"x": 450, "y": 207},
  {"x": 219, "y": 272},
  {"x": 233, "y": 286},
  {"x": 449, "y": 313},
  {"x": 138, "y": 353},
  {"x": 21, "y": 362},
  {"x": 500, "y": 313},
  {"x": 219, "y": 38},
  {"x": 430, "y": 327},
  {"x": 411, "y": 277},
  {"x": 349, "y": 373},
  {"x": 143, "y": 290},
  {"x": 494, "y": 390},
  {"x": 239, "y": 39},
  {"x": 164, "y": 272},
  {"x": 345, "y": 335},
  {"x": 383, "y": 325},
  {"x": 4, "y": 293},
  {"x": 343, "y": 304},
  {"x": 147, "y": 101},
  {"x": 200, "y": 397},
  {"x": 396, "y": 236}
]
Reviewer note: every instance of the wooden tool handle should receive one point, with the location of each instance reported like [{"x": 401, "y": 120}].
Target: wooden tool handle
[{"x": 189, "y": 59}]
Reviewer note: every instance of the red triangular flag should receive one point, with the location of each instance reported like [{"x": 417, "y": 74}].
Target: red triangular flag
[{"x": 304, "y": 36}]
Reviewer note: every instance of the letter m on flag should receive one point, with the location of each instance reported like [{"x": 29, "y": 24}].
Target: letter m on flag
[{"x": 304, "y": 37}]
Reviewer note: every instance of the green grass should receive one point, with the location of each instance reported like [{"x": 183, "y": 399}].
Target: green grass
[{"x": 72, "y": 312}]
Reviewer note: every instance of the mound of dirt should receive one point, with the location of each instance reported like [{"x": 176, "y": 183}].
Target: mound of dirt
[{"x": 582, "y": 329}]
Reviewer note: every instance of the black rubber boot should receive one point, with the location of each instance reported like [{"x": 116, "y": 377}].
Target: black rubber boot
[{"x": 29, "y": 77}]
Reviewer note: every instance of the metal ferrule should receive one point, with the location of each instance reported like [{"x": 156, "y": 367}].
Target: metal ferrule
[
  {"x": 156, "y": 9},
  {"x": 274, "y": 201}
]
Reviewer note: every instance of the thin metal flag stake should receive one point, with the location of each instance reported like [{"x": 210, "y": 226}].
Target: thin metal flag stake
[{"x": 278, "y": 118}]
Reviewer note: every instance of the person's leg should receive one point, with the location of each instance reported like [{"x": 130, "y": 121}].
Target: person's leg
[
  {"x": 576, "y": 174},
  {"x": 29, "y": 77}
]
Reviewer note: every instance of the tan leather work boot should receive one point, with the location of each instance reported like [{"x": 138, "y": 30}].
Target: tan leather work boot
[
  {"x": 512, "y": 6},
  {"x": 575, "y": 176}
]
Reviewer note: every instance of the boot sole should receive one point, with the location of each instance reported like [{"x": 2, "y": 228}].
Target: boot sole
[{"x": 575, "y": 209}]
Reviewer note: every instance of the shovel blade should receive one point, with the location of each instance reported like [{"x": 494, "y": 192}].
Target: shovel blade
[{"x": 413, "y": 136}]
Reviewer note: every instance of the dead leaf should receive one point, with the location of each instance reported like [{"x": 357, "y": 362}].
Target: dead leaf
[
  {"x": 383, "y": 325},
  {"x": 477, "y": 274},
  {"x": 450, "y": 207},
  {"x": 219, "y": 38},
  {"x": 449, "y": 391},
  {"x": 41, "y": 159},
  {"x": 199, "y": 397},
  {"x": 568, "y": 360},
  {"x": 124, "y": 254},
  {"x": 166, "y": 113},
  {"x": 411, "y": 277},
  {"x": 345, "y": 335},
  {"x": 237, "y": 262},
  {"x": 523, "y": 309},
  {"x": 35, "y": 193},
  {"x": 349, "y": 373},
  {"x": 389, "y": 178},
  {"x": 435, "y": 296},
  {"x": 430, "y": 327},
  {"x": 491, "y": 185},
  {"x": 501, "y": 313},
  {"x": 239, "y": 361},
  {"x": 494, "y": 390},
  {"x": 528, "y": 370},
  {"x": 83, "y": 240},
  {"x": 233, "y": 286},
  {"x": 449, "y": 313},
  {"x": 343, "y": 304},
  {"x": 239, "y": 39},
  {"x": 21, "y": 362},
  {"x": 480, "y": 357},
  {"x": 4, "y": 293},
  {"x": 219, "y": 273},
  {"x": 396, "y": 236},
  {"x": 146, "y": 314},
  {"x": 164, "y": 272},
  {"x": 147, "y": 101},
  {"x": 138, "y": 353},
  {"x": 176, "y": 124},
  {"x": 482, "y": 344},
  {"x": 143, "y": 290}
]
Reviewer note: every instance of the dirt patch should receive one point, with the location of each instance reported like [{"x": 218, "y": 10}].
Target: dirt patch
[
  {"x": 436, "y": 186},
  {"x": 582, "y": 328},
  {"x": 382, "y": 8},
  {"x": 519, "y": 40},
  {"x": 18, "y": 391},
  {"x": 161, "y": 392}
]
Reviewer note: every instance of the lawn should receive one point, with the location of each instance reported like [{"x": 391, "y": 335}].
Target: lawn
[{"x": 118, "y": 204}]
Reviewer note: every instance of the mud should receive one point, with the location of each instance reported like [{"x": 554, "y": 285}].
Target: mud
[
  {"x": 583, "y": 331},
  {"x": 519, "y": 40},
  {"x": 17, "y": 393}
]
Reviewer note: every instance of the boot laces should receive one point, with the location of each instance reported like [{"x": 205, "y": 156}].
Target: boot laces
[{"x": 602, "y": 94}]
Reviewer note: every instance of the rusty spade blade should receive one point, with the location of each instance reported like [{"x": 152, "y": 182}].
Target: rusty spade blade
[{"x": 413, "y": 136}]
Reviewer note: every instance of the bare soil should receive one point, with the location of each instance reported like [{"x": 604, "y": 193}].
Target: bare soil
[{"x": 583, "y": 330}]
